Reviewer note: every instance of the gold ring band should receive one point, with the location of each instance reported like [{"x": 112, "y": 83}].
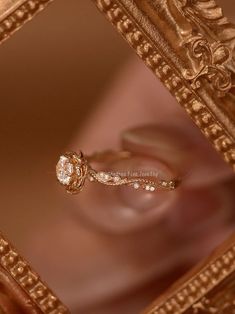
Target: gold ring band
[{"x": 73, "y": 169}]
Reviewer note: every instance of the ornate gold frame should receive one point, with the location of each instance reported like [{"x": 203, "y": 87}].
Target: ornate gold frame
[
  {"x": 15, "y": 13},
  {"x": 208, "y": 289},
  {"x": 39, "y": 297},
  {"x": 194, "y": 59}
]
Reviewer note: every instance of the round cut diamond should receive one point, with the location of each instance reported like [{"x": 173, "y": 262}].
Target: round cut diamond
[
  {"x": 136, "y": 185},
  {"x": 64, "y": 170}
]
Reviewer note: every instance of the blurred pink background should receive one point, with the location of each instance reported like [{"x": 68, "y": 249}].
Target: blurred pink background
[{"x": 52, "y": 73}]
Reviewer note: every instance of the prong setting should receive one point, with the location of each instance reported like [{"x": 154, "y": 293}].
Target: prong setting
[{"x": 71, "y": 171}]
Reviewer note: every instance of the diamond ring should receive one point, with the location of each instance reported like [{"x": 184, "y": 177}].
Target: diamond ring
[{"x": 73, "y": 169}]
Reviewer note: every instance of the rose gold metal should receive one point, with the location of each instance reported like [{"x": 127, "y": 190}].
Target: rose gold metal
[{"x": 74, "y": 168}]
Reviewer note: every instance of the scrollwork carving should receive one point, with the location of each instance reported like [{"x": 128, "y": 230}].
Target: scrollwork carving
[
  {"x": 207, "y": 38},
  {"x": 217, "y": 63},
  {"x": 208, "y": 61},
  {"x": 155, "y": 55}
]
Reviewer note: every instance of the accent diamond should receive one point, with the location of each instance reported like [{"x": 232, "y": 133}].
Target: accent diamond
[
  {"x": 136, "y": 185},
  {"x": 103, "y": 176},
  {"x": 116, "y": 179}
]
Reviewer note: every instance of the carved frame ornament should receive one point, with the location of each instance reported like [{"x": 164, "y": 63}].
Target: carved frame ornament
[{"x": 194, "y": 59}]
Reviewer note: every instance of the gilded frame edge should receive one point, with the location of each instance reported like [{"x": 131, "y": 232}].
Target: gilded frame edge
[
  {"x": 18, "y": 15},
  {"x": 213, "y": 129},
  {"x": 188, "y": 295},
  {"x": 28, "y": 280}
]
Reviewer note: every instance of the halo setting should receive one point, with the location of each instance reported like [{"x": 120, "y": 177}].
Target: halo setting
[{"x": 71, "y": 171}]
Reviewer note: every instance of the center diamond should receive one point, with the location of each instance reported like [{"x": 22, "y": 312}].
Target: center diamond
[{"x": 64, "y": 170}]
